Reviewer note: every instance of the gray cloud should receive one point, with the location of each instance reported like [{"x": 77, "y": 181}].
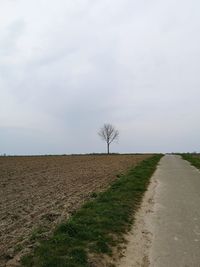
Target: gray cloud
[{"x": 68, "y": 67}]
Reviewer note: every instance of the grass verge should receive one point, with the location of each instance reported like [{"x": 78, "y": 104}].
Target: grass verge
[
  {"x": 98, "y": 226},
  {"x": 193, "y": 159}
]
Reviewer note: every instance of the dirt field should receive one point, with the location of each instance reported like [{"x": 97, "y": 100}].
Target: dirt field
[{"x": 36, "y": 193}]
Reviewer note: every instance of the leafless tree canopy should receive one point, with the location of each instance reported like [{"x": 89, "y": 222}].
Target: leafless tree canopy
[{"x": 108, "y": 133}]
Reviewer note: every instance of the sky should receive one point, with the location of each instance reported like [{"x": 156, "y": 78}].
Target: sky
[{"x": 68, "y": 67}]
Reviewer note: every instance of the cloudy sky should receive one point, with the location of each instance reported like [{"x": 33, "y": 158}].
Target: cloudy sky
[{"x": 68, "y": 67}]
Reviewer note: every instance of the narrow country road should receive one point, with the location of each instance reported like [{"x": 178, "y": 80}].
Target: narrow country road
[
  {"x": 166, "y": 232},
  {"x": 176, "y": 217}
]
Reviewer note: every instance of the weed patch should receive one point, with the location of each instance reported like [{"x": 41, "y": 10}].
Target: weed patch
[{"x": 193, "y": 159}]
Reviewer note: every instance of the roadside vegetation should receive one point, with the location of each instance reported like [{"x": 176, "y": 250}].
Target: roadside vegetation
[
  {"x": 194, "y": 159},
  {"x": 98, "y": 226}
]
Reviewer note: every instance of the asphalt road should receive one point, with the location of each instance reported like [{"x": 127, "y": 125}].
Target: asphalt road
[{"x": 176, "y": 217}]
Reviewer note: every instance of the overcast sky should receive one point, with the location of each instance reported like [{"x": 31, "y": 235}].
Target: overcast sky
[{"x": 68, "y": 67}]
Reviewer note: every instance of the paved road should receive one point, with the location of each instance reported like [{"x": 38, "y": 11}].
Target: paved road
[{"x": 176, "y": 218}]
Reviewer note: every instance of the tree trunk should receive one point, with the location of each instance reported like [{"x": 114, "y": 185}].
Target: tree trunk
[{"x": 108, "y": 148}]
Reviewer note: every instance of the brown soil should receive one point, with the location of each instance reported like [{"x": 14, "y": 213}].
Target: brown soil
[{"x": 36, "y": 193}]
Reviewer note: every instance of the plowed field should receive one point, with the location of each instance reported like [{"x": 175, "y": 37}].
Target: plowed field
[{"x": 36, "y": 193}]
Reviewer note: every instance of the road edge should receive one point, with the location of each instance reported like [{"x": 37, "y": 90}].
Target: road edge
[{"x": 139, "y": 239}]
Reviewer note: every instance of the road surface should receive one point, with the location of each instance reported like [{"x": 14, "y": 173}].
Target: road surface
[{"x": 176, "y": 216}]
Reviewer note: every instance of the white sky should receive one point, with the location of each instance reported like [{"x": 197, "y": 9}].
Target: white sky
[{"x": 67, "y": 67}]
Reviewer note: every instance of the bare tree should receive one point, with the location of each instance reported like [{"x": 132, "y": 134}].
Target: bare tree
[{"x": 108, "y": 133}]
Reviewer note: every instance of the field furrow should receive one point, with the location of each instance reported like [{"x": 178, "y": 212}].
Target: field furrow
[{"x": 39, "y": 192}]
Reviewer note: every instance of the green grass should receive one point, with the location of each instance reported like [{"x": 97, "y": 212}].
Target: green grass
[
  {"x": 193, "y": 159},
  {"x": 98, "y": 226}
]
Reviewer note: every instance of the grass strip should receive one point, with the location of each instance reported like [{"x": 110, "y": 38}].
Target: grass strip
[
  {"x": 193, "y": 159},
  {"x": 98, "y": 226}
]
